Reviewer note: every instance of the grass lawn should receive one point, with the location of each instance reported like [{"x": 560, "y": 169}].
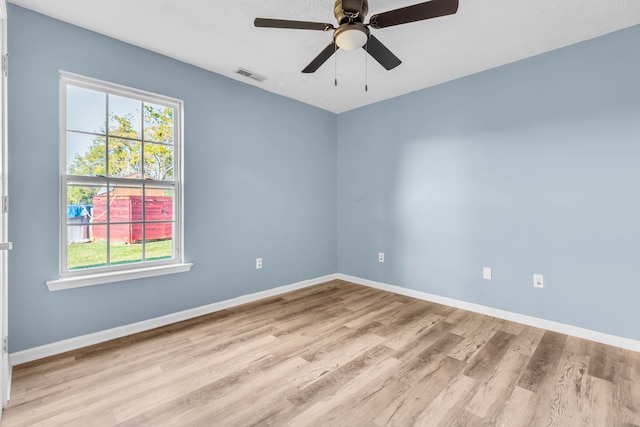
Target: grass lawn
[{"x": 94, "y": 254}]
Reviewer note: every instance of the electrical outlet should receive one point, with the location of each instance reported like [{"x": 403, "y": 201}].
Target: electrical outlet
[
  {"x": 486, "y": 273},
  {"x": 380, "y": 256},
  {"x": 538, "y": 281},
  {"x": 258, "y": 263}
]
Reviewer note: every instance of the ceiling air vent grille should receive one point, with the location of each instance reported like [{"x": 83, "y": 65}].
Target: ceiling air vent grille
[{"x": 250, "y": 74}]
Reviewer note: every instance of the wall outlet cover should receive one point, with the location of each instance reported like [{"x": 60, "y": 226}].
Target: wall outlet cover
[
  {"x": 486, "y": 273},
  {"x": 538, "y": 281}
]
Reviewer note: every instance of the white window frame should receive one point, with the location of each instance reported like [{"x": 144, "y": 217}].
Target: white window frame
[{"x": 94, "y": 276}]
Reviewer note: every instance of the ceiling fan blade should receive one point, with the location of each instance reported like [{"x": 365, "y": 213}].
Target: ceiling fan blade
[
  {"x": 380, "y": 53},
  {"x": 417, "y": 12},
  {"x": 296, "y": 25},
  {"x": 321, "y": 58}
]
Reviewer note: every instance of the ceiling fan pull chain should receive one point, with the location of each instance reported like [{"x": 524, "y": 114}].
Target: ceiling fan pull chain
[
  {"x": 335, "y": 64},
  {"x": 366, "y": 69}
]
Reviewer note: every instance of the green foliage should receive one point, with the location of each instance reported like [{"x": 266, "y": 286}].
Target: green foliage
[
  {"x": 125, "y": 148},
  {"x": 158, "y": 127},
  {"x": 80, "y": 195},
  {"x": 158, "y": 124},
  {"x": 125, "y": 151}
]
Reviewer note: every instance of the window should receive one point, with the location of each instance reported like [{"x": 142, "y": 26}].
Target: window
[{"x": 120, "y": 183}]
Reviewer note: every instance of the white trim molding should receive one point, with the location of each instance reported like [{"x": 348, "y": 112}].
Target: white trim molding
[
  {"x": 116, "y": 276},
  {"x": 562, "y": 328},
  {"x": 75, "y": 343}
]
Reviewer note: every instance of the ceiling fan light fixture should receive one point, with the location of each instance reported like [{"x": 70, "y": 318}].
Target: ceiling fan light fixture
[{"x": 351, "y": 36}]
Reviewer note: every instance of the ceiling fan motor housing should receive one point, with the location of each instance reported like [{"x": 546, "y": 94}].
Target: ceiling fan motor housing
[{"x": 350, "y": 10}]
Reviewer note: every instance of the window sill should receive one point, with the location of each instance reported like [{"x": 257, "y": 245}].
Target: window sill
[{"x": 115, "y": 276}]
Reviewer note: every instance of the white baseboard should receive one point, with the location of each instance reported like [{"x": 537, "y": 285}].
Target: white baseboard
[
  {"x": 47, "y": 350},
  {"x": 501, "y": 314}
]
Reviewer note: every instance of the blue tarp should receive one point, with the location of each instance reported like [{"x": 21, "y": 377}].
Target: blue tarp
[{"x": 74, "y": 211}]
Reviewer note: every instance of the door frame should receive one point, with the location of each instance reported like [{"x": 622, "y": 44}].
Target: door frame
[{"x": 5, "y": 366}]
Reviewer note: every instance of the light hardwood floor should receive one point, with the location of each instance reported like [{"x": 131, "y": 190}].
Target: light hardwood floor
[{"x": 336, "y": 354}]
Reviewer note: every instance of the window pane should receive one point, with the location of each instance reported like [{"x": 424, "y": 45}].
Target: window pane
[
  {"x": 157, "y": 249},
  {"x": 125, "y": 206},
  {"x": 99, "y": 211},
  {"x": 158, "y": 204},
  {"x": 86, "y": 110},
  {"x": 158, "y": 123},
  {"x": 125, "y": 158},
  {"x": 88, "y": 255},
  {"x": 81, "y": 252},
  {"x": 80, "y": 200},
  {"x": 122, "y": 253},
  {"x": 86, "y": 154},
  {"x": 159, "y": 231},
  {"x": 120, "y": 233},
  {"x": 158, "y": 161},
  {"x": 125, "y": 117},
  {"x": 78, "y": 230}
]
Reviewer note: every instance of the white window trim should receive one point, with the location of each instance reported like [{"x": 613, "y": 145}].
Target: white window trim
[
  {"x": 81, "y": 278},
  {"x": 116, "y": 276}
]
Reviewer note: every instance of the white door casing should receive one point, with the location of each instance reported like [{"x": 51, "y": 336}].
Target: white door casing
[{"x": 5, "y": 367}]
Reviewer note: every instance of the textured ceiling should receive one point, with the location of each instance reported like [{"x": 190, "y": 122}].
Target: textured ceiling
[{"x": 219, "y": 36}]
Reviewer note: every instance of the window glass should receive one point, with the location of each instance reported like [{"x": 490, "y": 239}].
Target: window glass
[
  {"x": 86, "y": 154},
  {"x": 86, "y": 110},
  {"x": 125, "y": 158},
  {"x": 158, "y": 123},
  {"x": 158, "y": 161},
  {"x": 121, "y": 195},
  {"x": 125, "y": 117}
]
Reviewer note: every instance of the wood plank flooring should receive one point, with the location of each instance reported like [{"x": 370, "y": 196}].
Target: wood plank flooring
[{"x": 336, "y": 354}]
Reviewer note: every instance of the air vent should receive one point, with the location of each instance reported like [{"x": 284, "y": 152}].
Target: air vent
[{"x": 250, "y": 74}]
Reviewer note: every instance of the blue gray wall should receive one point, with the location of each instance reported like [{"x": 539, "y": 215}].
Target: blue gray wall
[
  {"x": 528, "y": 168},
  {"x": 260, "y": 181},
  {"x": 533, "y": 167}
]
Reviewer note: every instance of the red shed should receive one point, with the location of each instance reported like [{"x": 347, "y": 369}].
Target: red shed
[{"x": 126, "y": 206}]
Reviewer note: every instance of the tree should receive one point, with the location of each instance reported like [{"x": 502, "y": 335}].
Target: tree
[{"x": 126, "y": 151}]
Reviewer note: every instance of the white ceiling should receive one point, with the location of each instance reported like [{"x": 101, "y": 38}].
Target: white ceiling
[{"x": 219, "y": 36}]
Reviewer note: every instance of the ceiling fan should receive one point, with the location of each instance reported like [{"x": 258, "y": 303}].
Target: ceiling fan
[{"x": 352, "y": 33}]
